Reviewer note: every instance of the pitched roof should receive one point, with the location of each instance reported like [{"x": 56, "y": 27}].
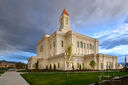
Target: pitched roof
[{"x": 65, "y": 12}]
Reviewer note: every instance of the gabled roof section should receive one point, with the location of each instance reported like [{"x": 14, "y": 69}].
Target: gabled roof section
[{"x": 65, "y": 12}]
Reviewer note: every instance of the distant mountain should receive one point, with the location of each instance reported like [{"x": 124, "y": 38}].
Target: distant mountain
[{"x": 9, "y": 62}]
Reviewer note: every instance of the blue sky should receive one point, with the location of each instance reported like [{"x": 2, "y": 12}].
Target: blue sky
[{"x": 23, "y": 23}]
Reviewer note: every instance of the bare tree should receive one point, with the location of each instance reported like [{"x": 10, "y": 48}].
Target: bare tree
[{"x": 69, "y": 56}]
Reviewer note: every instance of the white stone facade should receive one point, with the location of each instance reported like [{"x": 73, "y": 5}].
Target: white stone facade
[{"x": 51, "y": 50}]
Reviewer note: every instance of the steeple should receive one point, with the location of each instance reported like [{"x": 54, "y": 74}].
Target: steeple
[
  {"x": 65, "y": 21},
  {"x": 65, "y": 12}
]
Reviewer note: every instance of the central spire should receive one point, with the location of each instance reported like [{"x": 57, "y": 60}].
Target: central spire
[{"x": 65, "y": 21}]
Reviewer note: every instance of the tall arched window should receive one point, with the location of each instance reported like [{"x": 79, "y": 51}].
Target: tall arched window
[
  {"x": 93, "y": 47},
  {"x": 54, "y": 66},
  {"x": 46, "y": 67},
  {"x": 81, "y": 44},
  {"x": 87, "y": 46},
  {"x": 90, "y": 46},
  {"x": 62, "y": 43}
]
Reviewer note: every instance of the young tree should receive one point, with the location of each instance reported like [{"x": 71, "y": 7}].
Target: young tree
[
  {"x": 72, "y": 66},
  {"x": 80, "y": 67},
  {"x": 92, "y": 64},
  {"x": 68, "y": 55}
]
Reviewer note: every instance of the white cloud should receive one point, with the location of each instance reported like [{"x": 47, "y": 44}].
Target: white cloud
[
  {"x": 116, "y": 39},
  {"x": 119, "y": 50},
  {"x": 17, "y": 56},
  {"x": 120, "y": 30},
  {"x": 101, "y": 34},
  {"x": 111, "y": 38}
]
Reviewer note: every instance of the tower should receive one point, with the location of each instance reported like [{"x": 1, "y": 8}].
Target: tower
[{"x": 65, "y": 21}]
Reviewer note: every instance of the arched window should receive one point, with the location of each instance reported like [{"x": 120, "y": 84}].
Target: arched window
[
  {"x": 90, "y": 46},
  {"x": 62, "y": 43},
  {"x": 93, "y": 47},
  {"x": 54, "y": 66},
  {"x": 87, "y": 46},
  {"x": 46, "y": 67},
  {"x": 81, "y": 44}
]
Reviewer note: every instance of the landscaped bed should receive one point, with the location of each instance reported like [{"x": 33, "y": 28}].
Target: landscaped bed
[
  {"x": 1, "y": 72},
  {"x": 63, "y": 78}
]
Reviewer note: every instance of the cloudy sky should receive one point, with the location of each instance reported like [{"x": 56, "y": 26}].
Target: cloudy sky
[{"x": 24, "y": 22}]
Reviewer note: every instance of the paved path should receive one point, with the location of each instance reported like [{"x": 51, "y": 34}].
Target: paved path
[{"x": 12, "y": 78}]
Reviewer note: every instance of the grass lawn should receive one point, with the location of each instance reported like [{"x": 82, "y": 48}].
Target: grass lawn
[{"x": 51, "y": 78}]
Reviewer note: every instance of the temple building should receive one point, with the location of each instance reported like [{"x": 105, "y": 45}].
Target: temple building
[{"x": 51, "y": 50}]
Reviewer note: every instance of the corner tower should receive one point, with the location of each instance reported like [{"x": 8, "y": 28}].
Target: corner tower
[{"x": 65, "y": 21}]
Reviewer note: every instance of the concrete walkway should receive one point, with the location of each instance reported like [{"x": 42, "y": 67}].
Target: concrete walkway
[{"x": 12, "y": 78}]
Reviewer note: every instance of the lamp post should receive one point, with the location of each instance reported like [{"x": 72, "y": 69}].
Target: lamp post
[{"x": 125, "y": 61}]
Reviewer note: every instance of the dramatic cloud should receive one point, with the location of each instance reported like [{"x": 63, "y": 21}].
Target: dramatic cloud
[
  {"x": 114, "y": 42},
  {"x": 119, "y": 51},
  {"x": 116, "y": 37},
  {"x": 24, "y": 22},
  {"x": 16, "y": 56}
]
